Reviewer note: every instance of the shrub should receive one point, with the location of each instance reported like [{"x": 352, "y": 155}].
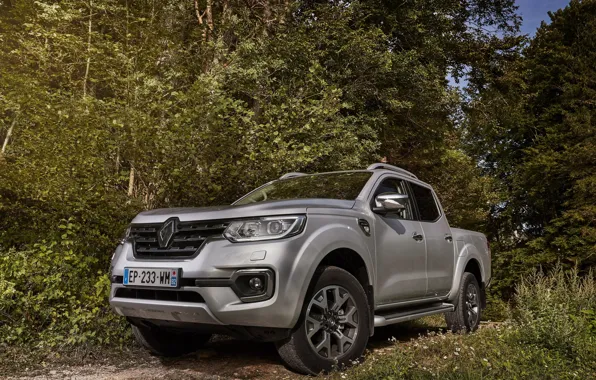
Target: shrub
[
  {"x": 551, "y": 335},
  {"x": 496, "y": 310},
  {"x": 52, "y": 294},
  {"x": 490, "y": 353},
  {"x": 557, "y": 312}
]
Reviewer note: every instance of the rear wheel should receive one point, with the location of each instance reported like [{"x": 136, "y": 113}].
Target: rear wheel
[
  {"x": 164, "y": 343},
  {"x": 468, "y": 310},
  {"x": 333, "y": 328}
]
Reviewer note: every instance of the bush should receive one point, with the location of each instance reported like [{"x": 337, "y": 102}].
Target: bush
[
  {"x": 496, "y": 310},
  {"x": 557, "y": 312},
  {"x": 490, "y": 353},
  {"x": 551, "y": 336},
  {"x": 53, "y": 294}
]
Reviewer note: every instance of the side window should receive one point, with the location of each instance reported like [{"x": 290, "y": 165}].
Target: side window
[
  {"x": 427, "y": 207},
  {"x": 394, "y": 185}
]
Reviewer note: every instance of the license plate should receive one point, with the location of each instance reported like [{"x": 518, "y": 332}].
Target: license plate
[{"x": 155, "y": 277}]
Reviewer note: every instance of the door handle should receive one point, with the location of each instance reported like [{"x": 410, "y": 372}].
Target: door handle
[
  {"x": 449, "y": 238},
  {"x": 418, "y": 237}
]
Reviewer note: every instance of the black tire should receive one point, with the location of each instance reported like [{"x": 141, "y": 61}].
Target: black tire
[
  {"x": 350, "y": 321},
  {"x": 168, "y": 344},
  {"x": 468, "y": 309}
]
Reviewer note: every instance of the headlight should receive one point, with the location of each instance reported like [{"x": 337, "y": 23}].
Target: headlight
[
  {"x": 264, "y": 228},
  {"x": 126, "y": 236}
]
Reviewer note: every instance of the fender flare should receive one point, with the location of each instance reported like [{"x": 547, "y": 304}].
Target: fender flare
[
  {"x": 326, "y": 240},
  {"x": 467, "y": 254}
]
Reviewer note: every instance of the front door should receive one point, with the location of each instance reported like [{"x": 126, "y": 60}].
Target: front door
[{"x": 400, "y": 247}]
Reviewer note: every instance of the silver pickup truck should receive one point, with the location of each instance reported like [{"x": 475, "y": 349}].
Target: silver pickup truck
[{"x": 312, "y": 262}]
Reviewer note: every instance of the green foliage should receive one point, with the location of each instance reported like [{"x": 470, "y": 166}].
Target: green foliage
[
  {"x": 590, "y": 317},
  {"x": 497, "y": 310},
  {"x": 533, "y": 129},
  {"x": 557, "y": 312},
  {"x": 109, "y": 107},
  {"x": 51, "y": 295},
  {"x": 547, "y": 338},
  {"x": 491, "y": 353}
]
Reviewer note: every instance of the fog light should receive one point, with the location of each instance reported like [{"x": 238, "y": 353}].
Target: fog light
[
  {"x": 255, "y": 283},
  {"x": 252, "y": 285}
]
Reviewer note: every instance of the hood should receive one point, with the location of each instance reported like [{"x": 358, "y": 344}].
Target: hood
[{"x": 269, "y": 208}]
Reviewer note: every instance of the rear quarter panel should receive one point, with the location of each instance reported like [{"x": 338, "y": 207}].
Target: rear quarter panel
[{"x": 469, "y": 245}]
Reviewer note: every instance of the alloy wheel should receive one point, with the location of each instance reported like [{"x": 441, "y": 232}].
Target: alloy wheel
[
  {"x": 472, "y": 305},
  {"x": 332, "y": 322}
]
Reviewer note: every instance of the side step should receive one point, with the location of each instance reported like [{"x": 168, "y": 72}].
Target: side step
[{"x": 396, "y": 316}]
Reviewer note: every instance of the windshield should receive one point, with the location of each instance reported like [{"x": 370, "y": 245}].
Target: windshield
[{"x": 344, "y": 186}]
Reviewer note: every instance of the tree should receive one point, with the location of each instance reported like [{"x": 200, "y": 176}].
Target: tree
[
  {"x": 534, "y": 130},
  {"x": 117, "y": 106}
]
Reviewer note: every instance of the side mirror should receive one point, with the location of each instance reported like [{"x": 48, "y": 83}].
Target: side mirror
[{"x": 390, "y": 202}]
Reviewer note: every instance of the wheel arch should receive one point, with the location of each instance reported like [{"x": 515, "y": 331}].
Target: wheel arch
[
  {"x": 351, "y": 261},
  {"x": 469, "y": 260},
  {"x": 471, "y": 265}
]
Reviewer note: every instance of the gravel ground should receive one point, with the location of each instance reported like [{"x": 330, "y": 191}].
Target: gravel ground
[{"x": 222, "y": 358}]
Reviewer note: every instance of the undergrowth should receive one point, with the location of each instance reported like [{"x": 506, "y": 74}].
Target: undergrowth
[{"x": 550, "y": 334}]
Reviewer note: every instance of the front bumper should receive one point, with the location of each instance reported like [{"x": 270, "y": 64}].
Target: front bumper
[
  {"x": 164, "y": 310},
  {"x": 216, "y": 263}
]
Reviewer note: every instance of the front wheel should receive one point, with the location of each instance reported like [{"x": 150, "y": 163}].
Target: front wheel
[
  {"x": 333, "y": 328},
  {"x": 468, "y": 309}
]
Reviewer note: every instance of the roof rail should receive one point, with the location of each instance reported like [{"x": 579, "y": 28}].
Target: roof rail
[
  {"x": 291, "y": 175},
  {"x": 392, "y": 168}
]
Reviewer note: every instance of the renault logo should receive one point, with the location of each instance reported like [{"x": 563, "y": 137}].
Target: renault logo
[{"x": 165, "y": 234}]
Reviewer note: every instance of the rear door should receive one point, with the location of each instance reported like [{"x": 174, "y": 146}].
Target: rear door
[
  {"x": 439, "y": 242},
  {"x": 401, "y": 253}
]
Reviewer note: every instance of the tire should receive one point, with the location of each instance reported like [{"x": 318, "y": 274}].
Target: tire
[
  {"x": 468, "y": 309},
  {"x": 168, "y": 344},
  {"x": 314, "y": 344}
]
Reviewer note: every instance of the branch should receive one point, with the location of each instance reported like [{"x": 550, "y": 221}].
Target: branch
[{"x": 198, "y": 13}]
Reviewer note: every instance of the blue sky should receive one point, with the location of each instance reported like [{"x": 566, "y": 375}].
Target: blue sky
[{"x": 534, "y": 11}]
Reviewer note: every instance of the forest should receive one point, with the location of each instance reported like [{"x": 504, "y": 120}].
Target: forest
[{"x": 111, "y": 107}]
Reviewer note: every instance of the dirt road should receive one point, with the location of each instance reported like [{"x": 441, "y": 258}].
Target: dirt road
[{"x": 222, "y": 358}]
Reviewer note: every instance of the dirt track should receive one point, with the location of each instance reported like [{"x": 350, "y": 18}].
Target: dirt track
[{"x": 222, "y": 358}]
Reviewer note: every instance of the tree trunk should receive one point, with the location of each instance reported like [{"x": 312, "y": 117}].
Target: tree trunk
[
  {"x": 88, "y": 50},
  {"x": 131, "y": 182},
  {"x": 198, "y": 13},
  {"x": 209, "y": 12},
  {"x": 14, "y": 122}
]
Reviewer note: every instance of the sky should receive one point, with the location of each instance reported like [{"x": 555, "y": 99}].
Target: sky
[{"x": 534, "y": 11}]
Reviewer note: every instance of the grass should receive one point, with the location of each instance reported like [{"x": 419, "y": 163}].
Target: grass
[
  {"x": 549, "y": 334},
  {"x": 493, "y": 352}
]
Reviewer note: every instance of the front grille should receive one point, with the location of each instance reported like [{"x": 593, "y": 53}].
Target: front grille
[
  {"x": 160, "y": 295},
  {"x": 186, "y": 241}
]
